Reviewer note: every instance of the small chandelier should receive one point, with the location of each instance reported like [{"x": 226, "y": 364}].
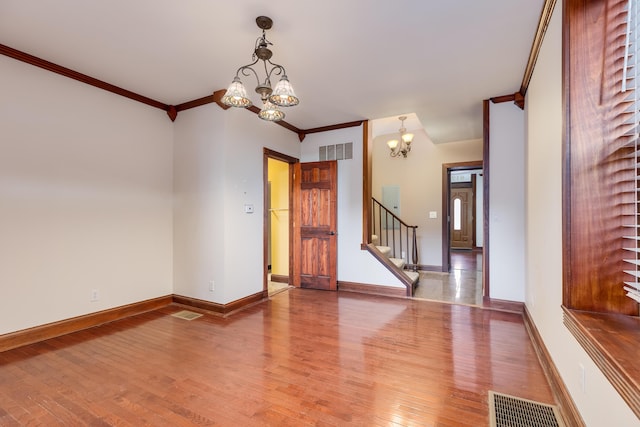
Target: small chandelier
[
  {"x": 280, "y": 96},
  {"x": 402, "y": 146}
]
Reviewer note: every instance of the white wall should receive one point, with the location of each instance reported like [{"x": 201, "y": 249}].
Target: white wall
[
  {"x": 599, "y": 404},
  {"x": 419, "y": 177},
  {"x": 218, "y": 168},
  {"x": 354, "y": 264},
  {"x": 85, "y": 198},
  {"x": 506, "y": 202}
]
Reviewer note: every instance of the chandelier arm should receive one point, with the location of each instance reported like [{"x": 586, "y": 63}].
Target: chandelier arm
[
  {"x": 280, "y": 69},
  {"x": 244, "y": 71}
]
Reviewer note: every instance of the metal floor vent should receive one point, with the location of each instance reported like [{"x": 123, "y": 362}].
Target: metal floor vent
[
  {"x": 186, "y": 315},
  {"x": 510, "y": 411}
]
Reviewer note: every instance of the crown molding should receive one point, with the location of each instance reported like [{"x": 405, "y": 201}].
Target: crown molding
[
  {"x": 67, "y": 72},
  {"x": 171, "y": 110}
]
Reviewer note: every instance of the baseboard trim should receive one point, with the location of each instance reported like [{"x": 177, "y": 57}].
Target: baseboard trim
[
  {"x": 423, "y": 267},
  {"x": 279, "y": 278},
  {"x": 55, "y": 329},
  {"x": 387, "y": 291},
  {"x": 563, "y": 398},
  {"x": 221, "y": 309},
  {"x": 503, "y": 305}
]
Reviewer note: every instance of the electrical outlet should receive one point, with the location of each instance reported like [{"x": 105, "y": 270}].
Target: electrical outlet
[
  {"x": 212, "y": 286},
  {"x": 95, "y": 295}
]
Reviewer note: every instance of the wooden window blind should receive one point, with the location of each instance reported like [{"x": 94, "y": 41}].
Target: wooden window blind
[{"x": 630, "y": 78}]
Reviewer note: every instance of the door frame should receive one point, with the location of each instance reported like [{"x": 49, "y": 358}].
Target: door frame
[
  {"x": 266, "y": 155},
  {"x": 446, "y": 209}
]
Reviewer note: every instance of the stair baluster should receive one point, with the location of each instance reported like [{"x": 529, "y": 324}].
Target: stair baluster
[{"x": 385, "y": 223}]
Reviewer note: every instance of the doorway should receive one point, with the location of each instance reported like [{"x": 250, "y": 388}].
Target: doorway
[
  {"x": 463, "y": 219},
  {"x": 277, "y": 176}
]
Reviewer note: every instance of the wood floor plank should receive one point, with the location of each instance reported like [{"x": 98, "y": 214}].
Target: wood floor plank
[{"x": 302, "y": 358}]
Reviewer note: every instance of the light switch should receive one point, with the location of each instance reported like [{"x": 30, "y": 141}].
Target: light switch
[
  {"x": 248, "y": 208},
  {"x": 433, "y": 214}
]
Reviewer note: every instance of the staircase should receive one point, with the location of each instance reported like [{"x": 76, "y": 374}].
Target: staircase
[{"x": 392, "y": 241}]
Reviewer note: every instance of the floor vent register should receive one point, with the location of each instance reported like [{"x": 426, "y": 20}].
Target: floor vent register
[
  {"x": 510, "y": 411},
  {"x": 186, "y": 315}
]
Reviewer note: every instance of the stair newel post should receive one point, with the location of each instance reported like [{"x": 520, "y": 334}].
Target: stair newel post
[
  {"x": 379, "y": 234},
  {"x": 393, "y": 237},
  {"x": 374, "y": 223},
  {"x": 400, "y": 242},
  {"x": 386, "y": 226},
  {"x": 415, "y": 249},
  {"x": 412, "y": 259}
]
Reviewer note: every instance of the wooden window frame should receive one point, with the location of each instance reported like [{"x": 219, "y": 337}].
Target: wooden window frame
[{"x": 596, "y": 311}]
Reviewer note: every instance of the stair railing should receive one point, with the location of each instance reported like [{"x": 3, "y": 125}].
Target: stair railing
[{"x": 394, "y": 233}]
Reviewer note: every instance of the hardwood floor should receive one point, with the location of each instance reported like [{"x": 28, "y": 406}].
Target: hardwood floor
[
  {"x": 304, "y": 357},
  {"x": 466, "y": 260}
]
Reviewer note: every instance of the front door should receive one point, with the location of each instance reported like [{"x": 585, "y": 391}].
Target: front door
[
  {"x": 461, "y": 218},
  {"x": 315, "y": 225}
]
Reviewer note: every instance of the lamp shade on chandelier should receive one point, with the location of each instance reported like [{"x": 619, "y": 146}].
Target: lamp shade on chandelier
[
  {"x": 403, "y": 145},
  {"x": 282, "y": 95}
]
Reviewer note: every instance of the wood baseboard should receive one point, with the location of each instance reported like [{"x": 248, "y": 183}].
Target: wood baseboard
[
  {"x": 423, "y": 267},
  {"x": 387, "y": 291},
  {"x": 503, "y": 305},
  {"x": 67, "y": 326},
  {"x": 221, "y": 309},
  {"x": 279, "y": 278},
  {"x": 563, "y": 398},
  {"x": 51, "y": 330}
]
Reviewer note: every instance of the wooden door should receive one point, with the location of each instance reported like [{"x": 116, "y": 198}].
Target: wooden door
[
  {"x": 315, "y": 225},
  {"x": 461, "y": 218}
]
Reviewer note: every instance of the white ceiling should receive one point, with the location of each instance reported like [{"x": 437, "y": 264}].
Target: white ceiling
[{"x": 347, "y": 59}]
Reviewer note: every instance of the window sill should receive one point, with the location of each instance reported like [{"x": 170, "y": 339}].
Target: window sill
[{"x": 613, "y": 342}]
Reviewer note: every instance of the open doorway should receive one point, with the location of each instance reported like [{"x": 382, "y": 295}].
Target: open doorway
[
  {"x": 463, "y": 226},
  {"x": 465, "y": 202},
  {"x": 278, "y": 175},
  {"x": 462, "y": 207}
]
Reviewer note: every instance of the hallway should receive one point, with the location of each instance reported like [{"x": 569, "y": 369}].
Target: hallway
[{"x": 463, "y": 285}]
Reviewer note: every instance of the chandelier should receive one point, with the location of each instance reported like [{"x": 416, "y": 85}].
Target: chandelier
[
  {"x": 403, "y": 145},
  {"x": 280, "y": 96}
]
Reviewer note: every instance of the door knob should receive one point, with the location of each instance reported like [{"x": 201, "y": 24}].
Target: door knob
[{"x": 332, "y": 233}]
